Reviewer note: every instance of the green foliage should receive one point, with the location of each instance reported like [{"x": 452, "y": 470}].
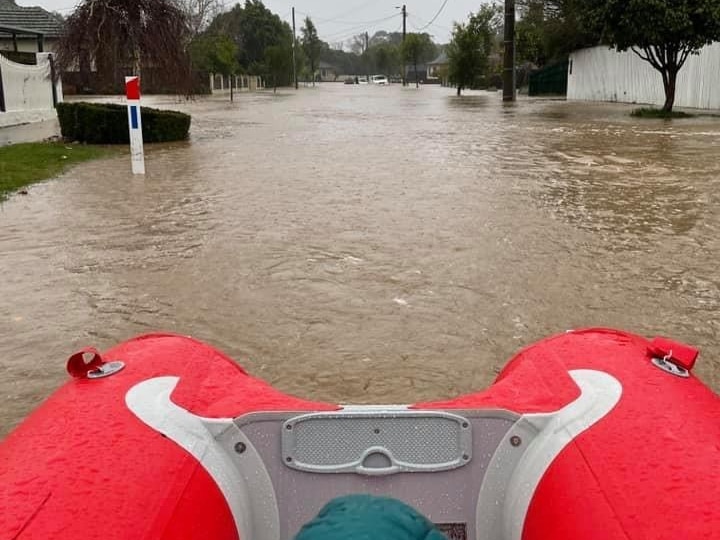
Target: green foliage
[
  {"x": 674, "y": 24},
  {"x": 104, "y": 123},
  {"x": 471, "y": 46},
  {"x": 661, "y": 32},
  {"x": 416, "y": 49},
  {"x": 311, "y": 44},
  {"x": 549, "y": 30},
  {"x": 386, "y": 57},
  {"x": 278, "y": 62},
  {"x": 215, "y": 53},
  {"x": 253, "y": 28},
  {"x": 24, "y": 164}
]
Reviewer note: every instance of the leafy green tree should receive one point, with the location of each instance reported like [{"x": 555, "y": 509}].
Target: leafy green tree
[
  {"x": 664, "y": 33},
  {"x": 470, "y": 47},
  {"x": 386, "y": 57},
  {"x": 530, "y": 35},
  {"x": 216, "y": 54},
  {"x": 253, "y": 28},
  {"x": 549, "y": 30},
  {"x": 312, "y": 46},
  {"x": 417, "y": 48},
  {"x": 278, "y": 62}
]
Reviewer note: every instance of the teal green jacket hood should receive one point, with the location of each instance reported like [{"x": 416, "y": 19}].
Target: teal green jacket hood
[{"x": 365, "y": 517}]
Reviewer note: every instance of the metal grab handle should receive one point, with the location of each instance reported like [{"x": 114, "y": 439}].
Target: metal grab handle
[{"x": 377, "y": 471}]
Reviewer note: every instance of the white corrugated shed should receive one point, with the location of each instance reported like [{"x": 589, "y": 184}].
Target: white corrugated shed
[{"x": 602, "y": 74}]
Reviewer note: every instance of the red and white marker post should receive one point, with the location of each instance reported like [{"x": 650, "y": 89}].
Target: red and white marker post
[{"x": 137, "y": 154}]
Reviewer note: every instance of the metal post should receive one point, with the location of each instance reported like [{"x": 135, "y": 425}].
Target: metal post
[
  {"x": 509, "y": 61},
  {"x": 294, "y": 45}
]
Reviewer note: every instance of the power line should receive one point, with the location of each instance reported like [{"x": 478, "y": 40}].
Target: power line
[
  {"x": 434, "y": 25},
  {"x": 349, "y": 23},
  {"x": 349, "y": 32},
  {"x": 345, "y": 13},
  {"x": 435, "y": 17}
]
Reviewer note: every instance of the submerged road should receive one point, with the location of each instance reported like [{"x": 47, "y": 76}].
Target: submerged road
[{"x": 369, "y": 244}]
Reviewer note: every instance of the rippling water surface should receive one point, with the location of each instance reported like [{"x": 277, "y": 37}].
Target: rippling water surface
[{"x": 369, "y": 244}]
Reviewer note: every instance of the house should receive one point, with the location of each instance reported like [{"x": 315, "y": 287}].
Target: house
[
  {"x": 326, "y": 72},
  {"x": 27, "y": 29},
  {"x": 437, "y": 69}
]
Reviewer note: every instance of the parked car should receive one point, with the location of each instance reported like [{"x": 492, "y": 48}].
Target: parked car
[{"x": 379, "y": 79}]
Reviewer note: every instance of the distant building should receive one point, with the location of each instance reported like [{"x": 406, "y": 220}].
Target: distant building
[
  {"x": 438, "y": 68},
  {"x": 326, "y": 72},
  {"x": 27, "y": 29}
]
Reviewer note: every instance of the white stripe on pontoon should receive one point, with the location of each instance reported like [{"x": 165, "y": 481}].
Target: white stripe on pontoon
[
  {"x": 150, "y": 402},
  {"x": 599, "y": 394}
]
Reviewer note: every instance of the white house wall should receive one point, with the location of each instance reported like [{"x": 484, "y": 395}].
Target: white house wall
[{"x": 603, "y": 74}]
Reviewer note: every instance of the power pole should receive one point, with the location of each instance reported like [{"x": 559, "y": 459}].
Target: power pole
[
  {"x": 367, "y": 57},
  {"x": 294, "y": 44},
  {"x": 509, "y": 61},
  {"x": 404, "y": 16}
]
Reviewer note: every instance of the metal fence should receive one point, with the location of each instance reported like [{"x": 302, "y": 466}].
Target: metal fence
[
  {"x": 603, "y": 74},
  {"x": 551, "y": 80}
]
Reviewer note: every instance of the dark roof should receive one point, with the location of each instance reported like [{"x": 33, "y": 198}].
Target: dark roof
[
  {"x": 441, "y": 59},
  {"x": 35, "y": 19}
]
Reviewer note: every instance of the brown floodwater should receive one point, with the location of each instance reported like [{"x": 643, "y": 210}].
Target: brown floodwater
[{"x": 369, "y": 244}]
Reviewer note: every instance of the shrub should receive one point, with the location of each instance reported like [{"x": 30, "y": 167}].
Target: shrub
[
  {"x": 659, "y": 113},
  {"x": 106, "y": 123}
]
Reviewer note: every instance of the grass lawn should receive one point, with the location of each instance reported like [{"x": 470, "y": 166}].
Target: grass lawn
[{"x": 27, "y": 163}]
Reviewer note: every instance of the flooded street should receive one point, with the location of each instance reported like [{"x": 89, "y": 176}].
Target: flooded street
[{"x": 369, "y": 244}]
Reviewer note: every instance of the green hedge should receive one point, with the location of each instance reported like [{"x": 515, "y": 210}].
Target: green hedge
[{"x": 106, "y": 123}]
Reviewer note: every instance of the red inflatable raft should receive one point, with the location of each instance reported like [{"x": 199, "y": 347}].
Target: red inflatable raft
[{"x": 593, "y": 434}]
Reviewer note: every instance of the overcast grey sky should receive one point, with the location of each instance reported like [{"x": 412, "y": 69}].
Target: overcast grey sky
[{"x": 339, "y": 20}]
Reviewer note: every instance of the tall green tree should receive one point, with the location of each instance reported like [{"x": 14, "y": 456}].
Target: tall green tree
[
  {"x": 386, "y": 57},
  {"x": 664, "y": 33},
  {"x": 549, "y": 30},
  {"x": 470, "y": 47},
  {"x": 278, "y": 62},
  {"x": 253, "y": 28},
  {"x": 312, "y": 46},
  {"x": 417, "y": 48},
  {"x": 216, "y": 54}
]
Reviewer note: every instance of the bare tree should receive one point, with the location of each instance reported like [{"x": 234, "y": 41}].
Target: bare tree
[
  {"x": 199, "y": 13},
  {"x": 120, "y": 37}
]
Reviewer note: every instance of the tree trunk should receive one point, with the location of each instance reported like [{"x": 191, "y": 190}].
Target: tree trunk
[
  {"x": 231, "y": 89},
  {"x": 417, "y": 83},
  {"x": 670, "y": 83},
  {"x": 459, "y": 90}
]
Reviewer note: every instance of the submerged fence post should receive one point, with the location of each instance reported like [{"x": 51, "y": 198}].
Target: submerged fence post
[{"x": 137, "y": 155}]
